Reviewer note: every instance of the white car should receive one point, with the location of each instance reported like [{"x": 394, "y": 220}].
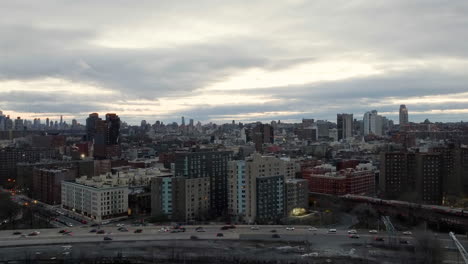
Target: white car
[
  {"x": 352, "y": 231},
  {"x": 290, "y": 228},
  {"x": 163, "y": 229},
  {"x": 373, "y": 231},
  {"x": 312, "y": 229},
  {"x": 333, "y": 230},
  {"x": 407, "y": 233},
  {"x": 120, "y": 225},
  {"x": 254, "y": 228}
]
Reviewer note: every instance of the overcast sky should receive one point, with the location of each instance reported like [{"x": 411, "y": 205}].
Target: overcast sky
[{"x": 243, "y": 60}]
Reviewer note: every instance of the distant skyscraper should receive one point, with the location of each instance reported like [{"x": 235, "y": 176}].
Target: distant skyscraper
[
  {"x": 19, "y": 124},
  {"x": 373, "y": 123},
  {"x": 91, "y": 125},
  {"x": 105, "y": 135},
  {"x": 261, "y": 134},
  {"x": 344, "y": 124},
  {"x": 183, "y": 121},
  {"x": 47, "y": 123},
  {"x": 403, "y": 115}
]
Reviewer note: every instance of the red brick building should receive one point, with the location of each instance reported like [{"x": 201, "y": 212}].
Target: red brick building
[{"x": 360, "y": 180}]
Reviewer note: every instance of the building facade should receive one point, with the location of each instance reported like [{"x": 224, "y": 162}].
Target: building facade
[
  {"x": 95, "y": 199},
  {"x": 207, "y": 164},
  {"x": 344, "y": 124},
  {"x": 47, "y": 184}
]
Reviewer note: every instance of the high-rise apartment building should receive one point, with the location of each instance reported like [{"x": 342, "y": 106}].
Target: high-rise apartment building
[
  {"x": 429, "y": 178},
  {"x": 180, "y": 198},
  {"x": 256, "y": 188},
  {"x": 344, "y": 124},
  {"x": 397, "y": 174},
  {"x": 207, "y": 164},
  {"x": 422, "y": 177}
]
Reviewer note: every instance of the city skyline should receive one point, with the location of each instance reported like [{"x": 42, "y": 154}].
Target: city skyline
[{"x": 211, "y": 62}]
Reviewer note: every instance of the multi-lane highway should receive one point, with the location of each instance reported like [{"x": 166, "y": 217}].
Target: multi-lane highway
[{"x": 48, "y": 241}]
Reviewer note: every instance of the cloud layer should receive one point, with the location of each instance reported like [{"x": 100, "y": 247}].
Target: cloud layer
[{"x": 245, "y": 60}]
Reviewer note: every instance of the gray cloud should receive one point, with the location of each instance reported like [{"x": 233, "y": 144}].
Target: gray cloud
[{"x": 56, "y": 39}]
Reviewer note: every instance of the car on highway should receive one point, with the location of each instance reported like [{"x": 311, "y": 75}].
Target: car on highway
[
  {"x": 69, "y": 224},
  {"x": 193, "y": 237},
  {"x": 407, "y": 233},
  {"x": 107, "y": 238},
  {"x": 332, "y": 230},
  {"x": 62, "y": 231},
  {"x": 352, "y": 231},
  {"x": 273, "y": 231},
  {"x": 93, "y": 231},
  {"x": 354, "y": 236},
  {"x": 290, "y": 228},
  {"x": 16, "y": 233},
  {"x": 199, "y": 229},
  {"x": 101, "y": 232},
  {"x": 275, "y": 236},
  {"x": 254, "y": 228},
  {"x": 404, "y": 241},
  {"x": 380, "y": 239},
  {"x": 122, "y": 229},
  {"x": 219, "y": 235},
  {"x": 312, "y": 229},
  {"x": 120, "y": 225},
  {"x": 163, "y": 229},
  {"x": 138, "y": 231},
  {"x": 35, "y": 233},
  {"x": 373, "y": 231}
]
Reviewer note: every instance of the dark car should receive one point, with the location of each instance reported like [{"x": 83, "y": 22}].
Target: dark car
[
  {"x": 101, "y": 232},
  {"x": 107, "y": 238},
  {"x": 17, "y": 233},
  {"x": 273, "y": 231},
  {"x": 62, "y": 231},
  {"x": 275, "y": 236},
  {"x": 193, "y": 237},
  {"x": 225, "y": 228},
  {"x": 404, "y": 241},
  {"x": 379, "y": 239},
  {"x": 138, "y": 230},
  {"x": 219, "y": 235},
  {"x": 94, "y": 225},
  {"x": 93, "y": 231}
]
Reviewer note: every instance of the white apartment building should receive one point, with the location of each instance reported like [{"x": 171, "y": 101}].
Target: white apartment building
[{"x": 99, "y": 198}]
